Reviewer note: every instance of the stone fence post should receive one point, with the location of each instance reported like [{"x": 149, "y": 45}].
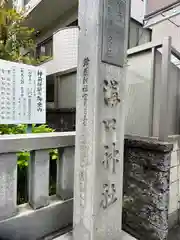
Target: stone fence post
[{"x": 146, "y": 188}]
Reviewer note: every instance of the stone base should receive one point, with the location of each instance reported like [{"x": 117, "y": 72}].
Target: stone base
[
  {"x": 68, "y": 236},
  {"x": 174, "y": 234}
]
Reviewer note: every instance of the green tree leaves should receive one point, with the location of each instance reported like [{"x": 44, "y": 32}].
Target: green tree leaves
[{"x": 15, "y": 39}]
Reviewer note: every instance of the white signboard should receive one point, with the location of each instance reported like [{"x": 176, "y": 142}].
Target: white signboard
[{"x": 23, "y": 93}]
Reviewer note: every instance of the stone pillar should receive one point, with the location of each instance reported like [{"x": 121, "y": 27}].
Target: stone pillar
[
  {"x": 146, "y": 188},
  {"x": 65, "y": 170},
  {"x": 101, "y": 89}
]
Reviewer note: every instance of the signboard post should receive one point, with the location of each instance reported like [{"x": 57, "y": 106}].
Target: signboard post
[{"x": 23, "y": 94}]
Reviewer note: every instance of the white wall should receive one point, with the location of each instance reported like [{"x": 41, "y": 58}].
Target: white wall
[
  {"x": 63, "y": 20},
  {"x": 173, "y": 93},
  {"x": 137, "y": 34},
  {"x": 67, "y": 91},
  {"x": 138, "y": 103},
  {"x": 165, "y": 29},
  {"x": 65, "y": 47},
  {"x": 137, "y": 10}
]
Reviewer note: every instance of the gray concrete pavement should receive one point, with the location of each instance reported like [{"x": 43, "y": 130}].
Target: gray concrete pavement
[
  {"x": 174, "y": 234},
  {"x": 68, "y": 236}
]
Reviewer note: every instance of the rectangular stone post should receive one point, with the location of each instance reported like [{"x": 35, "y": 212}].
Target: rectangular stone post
[
  {"x": 8, "y": 185},
  {"x": 164, "y": 90},
  {"x": 65, "y": 170},
  {"x": 38, "y": 172},
  {"x": 100, "y": 119},
  {"x": 161, "y": 99}
]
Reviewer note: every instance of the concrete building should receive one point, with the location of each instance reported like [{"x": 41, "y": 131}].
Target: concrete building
[
  {"x": 163, "y": 17},
  {"x": 57, "y": 36}
]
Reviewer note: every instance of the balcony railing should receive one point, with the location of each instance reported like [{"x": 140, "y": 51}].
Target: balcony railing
[
  {"x": 42, "y": 214},
  {"x": 65, "y": 46}
]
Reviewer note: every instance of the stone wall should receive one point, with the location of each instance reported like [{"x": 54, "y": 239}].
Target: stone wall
[
  {"x": 174, "y": 182},
  {"x": 146, "y": 188}
]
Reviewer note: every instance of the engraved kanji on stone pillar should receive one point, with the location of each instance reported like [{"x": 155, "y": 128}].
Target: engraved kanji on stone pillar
[
  {"x": 109, "y": 195},
  {"x": 111, "y": 158},
  {"x": 111, "y": 93},
  {"x": 109, "y": 124},
  {"x": 82, "y": 188},
  {"x": 109, "y": 129}
]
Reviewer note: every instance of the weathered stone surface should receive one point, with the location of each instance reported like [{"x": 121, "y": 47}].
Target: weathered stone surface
[
  {"x": 68, "y": 236},
  {"x": 148, "y": 144},
  {"x": 174, "y": 233},
  {"x": 146, "y": 188},
  {"x": 148, "y": 195},
  {"x": 100, "y": 111}
]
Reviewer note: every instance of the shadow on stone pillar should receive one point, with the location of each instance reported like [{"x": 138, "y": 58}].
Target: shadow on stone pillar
[{"x": 146, "y": 188}]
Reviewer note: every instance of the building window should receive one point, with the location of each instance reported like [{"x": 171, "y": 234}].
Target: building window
[
  {"x": 137, "y": 34},
  {"x": 50, "y": 88},
  {"x": 45, "y": 48}
]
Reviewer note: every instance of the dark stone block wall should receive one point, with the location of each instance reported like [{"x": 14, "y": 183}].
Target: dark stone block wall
[
  {"x": 62, "y": 120},
  {"x": 146, "y": 188}
]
